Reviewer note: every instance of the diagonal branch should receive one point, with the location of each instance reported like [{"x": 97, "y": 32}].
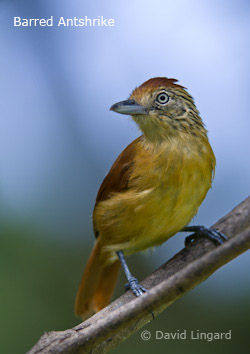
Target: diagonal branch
[{"x": 195, "y": 263}]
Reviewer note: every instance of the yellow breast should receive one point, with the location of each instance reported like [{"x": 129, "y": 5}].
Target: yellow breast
[{"x": 166, "y": 188}]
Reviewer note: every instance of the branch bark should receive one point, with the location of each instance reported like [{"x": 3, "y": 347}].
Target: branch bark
[{"x": 191, "y": 266}]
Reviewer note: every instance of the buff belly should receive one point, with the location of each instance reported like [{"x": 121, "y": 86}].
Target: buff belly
[{"x": 136, "y": 220}]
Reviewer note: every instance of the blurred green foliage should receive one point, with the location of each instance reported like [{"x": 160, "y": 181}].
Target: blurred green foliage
[
  {"x": 38, "y": 284},
  {"x": 39, "y": 278}
]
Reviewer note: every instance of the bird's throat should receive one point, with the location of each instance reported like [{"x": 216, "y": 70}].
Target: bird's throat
[{"x": 157, "y": 128}]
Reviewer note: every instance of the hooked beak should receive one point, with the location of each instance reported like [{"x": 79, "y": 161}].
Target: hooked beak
[{"x": 128, "y": 107}]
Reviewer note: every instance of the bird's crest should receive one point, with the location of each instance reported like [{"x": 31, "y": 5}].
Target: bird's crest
[{"x": 155, "y": 82}]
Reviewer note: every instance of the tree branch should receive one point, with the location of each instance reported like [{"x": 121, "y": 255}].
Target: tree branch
[{"x": 195, "y": 263}]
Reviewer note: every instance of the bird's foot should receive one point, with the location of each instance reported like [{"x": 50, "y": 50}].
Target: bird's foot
[
  {"x": 204, "y": 232},
  {"x": 135, "y": 287}
]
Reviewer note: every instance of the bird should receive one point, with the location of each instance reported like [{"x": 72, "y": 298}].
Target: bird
[{"x": 152, "y": 191}]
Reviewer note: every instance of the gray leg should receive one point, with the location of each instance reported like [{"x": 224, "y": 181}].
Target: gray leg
[
  {"x": 204, "y": 232},
  {"x": 133, "y": 283}
]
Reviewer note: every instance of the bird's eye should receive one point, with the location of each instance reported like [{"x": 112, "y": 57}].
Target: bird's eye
[{"x": 162, "y": 98}]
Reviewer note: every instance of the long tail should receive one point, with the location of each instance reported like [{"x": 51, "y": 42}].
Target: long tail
[{"x": 97, "y": 284}]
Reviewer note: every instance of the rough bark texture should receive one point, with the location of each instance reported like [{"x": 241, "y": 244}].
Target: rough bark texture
[{"x": 109, "y": 327}]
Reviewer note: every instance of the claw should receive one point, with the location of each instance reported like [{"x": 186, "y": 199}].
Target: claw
[
  {"x": 135, "y": 287},
  {"x": 203, "y": 232}
]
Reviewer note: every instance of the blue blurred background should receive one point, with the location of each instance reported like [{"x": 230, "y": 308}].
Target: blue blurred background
[{"x": 58, "y": 139}]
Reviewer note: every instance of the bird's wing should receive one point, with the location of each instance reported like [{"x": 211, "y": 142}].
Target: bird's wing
[{"x": 118, "y": 177}]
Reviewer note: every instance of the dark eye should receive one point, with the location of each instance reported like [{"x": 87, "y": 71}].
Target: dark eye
[{"x": 162, "y": 98}]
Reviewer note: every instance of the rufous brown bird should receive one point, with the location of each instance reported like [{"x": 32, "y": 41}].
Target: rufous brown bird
[{"x": 152, "y": 191}]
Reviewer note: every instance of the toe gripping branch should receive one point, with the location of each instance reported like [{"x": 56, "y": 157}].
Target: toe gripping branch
[
  {"x": 204, "y": 232},
  {"x": 199, "y": 232},
  {"x": 132, "y": 283},
  {"x": 135, "y": 287}
]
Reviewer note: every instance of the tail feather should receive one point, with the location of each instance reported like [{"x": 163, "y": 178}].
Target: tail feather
[{"x": 97, "y": 284}]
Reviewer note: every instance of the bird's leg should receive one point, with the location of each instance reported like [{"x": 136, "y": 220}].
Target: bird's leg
[
  {"x": 204, "y": 232},
  {"x": 133, "y": 283}
]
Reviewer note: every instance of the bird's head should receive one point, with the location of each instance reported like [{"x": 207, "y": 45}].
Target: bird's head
[{"x": 162, "y": 108}]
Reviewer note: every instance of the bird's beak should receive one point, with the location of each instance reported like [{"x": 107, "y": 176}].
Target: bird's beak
[{"x": 128, "y": 107}]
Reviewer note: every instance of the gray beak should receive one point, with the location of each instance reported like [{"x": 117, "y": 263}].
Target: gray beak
[{"x": 128, "y": 107}]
